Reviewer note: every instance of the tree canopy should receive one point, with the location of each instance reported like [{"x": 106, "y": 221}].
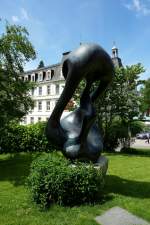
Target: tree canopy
[
  {"x": 15, "y": 51},
  {"x": 119, "y": 104},
  {"x": 145, "y": 97},
  {"x": 41, "y": 64}
]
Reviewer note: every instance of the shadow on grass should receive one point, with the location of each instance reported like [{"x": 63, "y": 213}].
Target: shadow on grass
[
  {"x": 16, "y": 167},
  {"x": 117, "y": 185}
]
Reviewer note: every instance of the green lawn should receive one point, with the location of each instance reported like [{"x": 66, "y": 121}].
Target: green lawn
[{"x": 127, "y": 186}]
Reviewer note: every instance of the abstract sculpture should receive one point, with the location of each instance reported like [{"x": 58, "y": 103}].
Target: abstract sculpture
[{"x": 77, "y": 133}]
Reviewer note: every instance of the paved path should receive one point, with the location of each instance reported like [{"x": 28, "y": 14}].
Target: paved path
[
  {"x": 140, "y": 144},
  {"x": 119, "y": 216}
]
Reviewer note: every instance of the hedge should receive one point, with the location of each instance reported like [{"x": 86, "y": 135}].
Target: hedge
[
  {"x": 18, "y": 138},
  {"x": 53, "y": 179}
]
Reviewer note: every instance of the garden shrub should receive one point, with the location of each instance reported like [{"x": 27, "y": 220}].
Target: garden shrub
[
  {"x": 19, "y": 138},
  {"x": 118, "y": 132},
  {"x": 53, "y": 179}
]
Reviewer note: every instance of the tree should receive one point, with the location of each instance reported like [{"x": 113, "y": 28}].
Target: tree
[
  {"x": 41, "y": 64},
  {"x": 145, "y": 97},
  {"x": 15, "y": 51},
  {"x": 118, "y": 106}
]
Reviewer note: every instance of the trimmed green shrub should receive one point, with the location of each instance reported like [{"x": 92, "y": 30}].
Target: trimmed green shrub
[
  {"x": 53, "y": 179},
  {"x": 19, "y": 138}
]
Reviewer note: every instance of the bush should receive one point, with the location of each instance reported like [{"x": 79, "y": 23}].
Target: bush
[
  {"x": 19, "y": 138},
  {"x": 118, "y": 132},
  {"x": 53, "y": 179}
]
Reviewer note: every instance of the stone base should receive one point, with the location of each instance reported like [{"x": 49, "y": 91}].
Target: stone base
[{"x": 102, "y": 163}]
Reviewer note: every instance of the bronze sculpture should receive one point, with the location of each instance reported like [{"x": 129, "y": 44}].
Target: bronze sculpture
[{"x": 77, "y": 133}]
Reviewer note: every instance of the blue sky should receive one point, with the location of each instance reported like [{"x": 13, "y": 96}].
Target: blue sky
[{"x": 56, "y": 26}]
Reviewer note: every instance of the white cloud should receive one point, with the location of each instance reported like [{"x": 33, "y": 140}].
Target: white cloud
[
  {"x": 15, "y": 18},
  {"x": 139, "y": 7},
  {"x": 24, "y": 14}
]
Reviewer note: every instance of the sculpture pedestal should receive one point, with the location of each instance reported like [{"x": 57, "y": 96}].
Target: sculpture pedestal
[{"x": 102, "y": 163}]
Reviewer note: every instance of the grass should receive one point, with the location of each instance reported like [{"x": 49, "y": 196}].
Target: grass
[{"x": 127, "y": 186}]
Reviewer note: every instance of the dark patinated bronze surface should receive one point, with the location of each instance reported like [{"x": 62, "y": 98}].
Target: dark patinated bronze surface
[{"x": 77, "y": 133}]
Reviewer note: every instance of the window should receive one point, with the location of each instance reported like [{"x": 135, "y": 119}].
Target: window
[
  {"x": 52, "y": 73},
  {"x": 32, "y": 91},
  {"x": 40, "y": 77},
  {"x": 48, "y": 89},
  {"x": 56, "y": 101},
  {"x": 25, "y": 120},
  {"x": 36, "y": 76},
  {"x": 39, "y": 119},
  {"x": 40, "y": 90},
  {"x": 52, "y": 105},
  {"x": 57, "y": 89},
  {"x": 48, "y": 105},
  {"x": 39, "y": 106},
  {"x": 32, "y": 78},
  {"x": 44, "y": 75},
  {"x": 31, "y": 119},
  {"x": 29, "y": 77},
  {"x": 48, "y": 75},
  {"x": 61, "y": 73}
]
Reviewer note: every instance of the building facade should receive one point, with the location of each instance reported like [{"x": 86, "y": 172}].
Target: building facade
[{"x": 49, "y": 86}]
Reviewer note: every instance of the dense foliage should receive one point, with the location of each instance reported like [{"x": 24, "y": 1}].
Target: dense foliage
[
  {"x": 54, "y": 180},
  {"x": 18, "y": 138},
  {"x": 15, "y": 50},
  {"x": 145, "y": 97},
  {"x": 118, "y": 106},
  {"x": 41, "y": 64},
  {"x": 119, "y": 132}
]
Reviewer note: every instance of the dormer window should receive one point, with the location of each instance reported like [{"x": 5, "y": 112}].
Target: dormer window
[
  {"x": 32, "y": 78},
  {"x": 36, "y": 76},
  {"x": 52, "y": 73},
  {"x": 40, "y": 77},
  {"x": 29, "y": 77},
  {"x": 48, "y": 77}
]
